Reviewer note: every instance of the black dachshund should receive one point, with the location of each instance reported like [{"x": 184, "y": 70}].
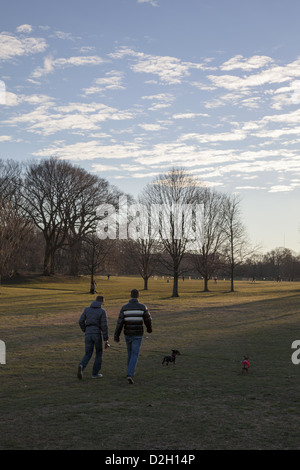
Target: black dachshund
[{"x": 171, "y": 358}]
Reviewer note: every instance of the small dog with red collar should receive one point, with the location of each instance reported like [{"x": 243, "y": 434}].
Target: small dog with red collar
[
  {"x": 245, "y": 365},
  {"x": 171, "y": 358}
]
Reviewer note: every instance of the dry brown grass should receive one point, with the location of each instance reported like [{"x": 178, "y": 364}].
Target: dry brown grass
[{"x": 204, "y": 402}]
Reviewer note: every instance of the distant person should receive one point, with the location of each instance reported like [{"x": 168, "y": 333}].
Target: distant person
[
  {"x": 132, "y": 317},
  {"x": 93, "y": 323}
]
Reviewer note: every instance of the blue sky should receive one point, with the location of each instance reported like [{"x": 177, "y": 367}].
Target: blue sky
[{"x": 129, "y": 88}]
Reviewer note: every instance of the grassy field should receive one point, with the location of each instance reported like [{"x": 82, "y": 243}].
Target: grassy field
[{"x": 204, "y": 402}]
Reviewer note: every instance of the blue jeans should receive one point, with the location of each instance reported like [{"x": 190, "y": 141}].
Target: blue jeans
[
  {"x": 92, "y": 341},
  {"x": 133, "y": 349}
]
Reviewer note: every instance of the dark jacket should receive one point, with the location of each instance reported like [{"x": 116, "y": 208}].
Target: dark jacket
[
  {"x": 93, "y": 320},
  {"x": 132, "y": 317}
]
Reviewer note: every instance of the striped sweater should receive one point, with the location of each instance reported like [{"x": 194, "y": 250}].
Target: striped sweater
[{"x": 132, "y": 317}]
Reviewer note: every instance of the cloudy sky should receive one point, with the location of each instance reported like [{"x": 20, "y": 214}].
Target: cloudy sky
[{"x": 129, "y": 88}]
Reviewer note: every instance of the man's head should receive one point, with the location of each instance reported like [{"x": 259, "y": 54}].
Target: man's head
[
  {"x": 100, "y": 298},
  {"x": 134, "y": 293}
]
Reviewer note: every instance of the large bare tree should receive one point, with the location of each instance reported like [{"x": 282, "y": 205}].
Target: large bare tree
[
  {"x": 62, "y": 201},
  {"x": 171, "y": 198},
  {"x": 206, "y": 256},
  {"x": 85, "y": 194},
  {"x": 45, "y": 193}
]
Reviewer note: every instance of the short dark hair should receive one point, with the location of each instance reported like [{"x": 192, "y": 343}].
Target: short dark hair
[
  {"x": 134, "y": 293},
  {"x": 100, "y": 298}
]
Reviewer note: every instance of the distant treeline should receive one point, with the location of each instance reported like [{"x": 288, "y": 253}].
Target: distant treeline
[{"x": 50, "y": 219}]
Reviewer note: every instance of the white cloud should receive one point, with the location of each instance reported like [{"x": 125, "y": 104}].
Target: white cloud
[
  {"x": 277, "y": 133},
  {"x": 91, "y": 150},
  {"x": 112, "y": 81},
  {"x": 151, "y": 2},
  {"x": 12, "y": 46},
  {"x": 235, "y": 135},
  {"x": 99, "y": 167},
  {"x": 189, "y": 115},
  {"x": 273, "y": 75},
  {"x": 63, "y": 35},
  {"x": 239, "y": 62},
  {"x": 24, "y": 28},
  {"x": 160, "y": 101},
  {"x": 151, "y": 127},
  {"x": 163, "y": 97},
  {"x": 47, "y": 119},
  {"x": 280, "y": 188},
  {"x": 51, "y": 64},
  {"x": 12, "y": 99},
  {"x": 5, "y": 138},
  {"x": 170, "y": 70},
  {"x": 286, "y": 95},
  {"x": 255, "y": 188}
]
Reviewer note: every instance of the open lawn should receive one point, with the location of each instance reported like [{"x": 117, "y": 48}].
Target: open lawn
[{"x": 204, "y": 402}]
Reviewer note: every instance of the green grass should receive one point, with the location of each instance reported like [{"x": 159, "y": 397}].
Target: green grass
[{"x": 204, "y": 402}]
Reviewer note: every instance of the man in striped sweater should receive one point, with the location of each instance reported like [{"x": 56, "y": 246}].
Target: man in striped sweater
[{"x": 132, "y": 317}]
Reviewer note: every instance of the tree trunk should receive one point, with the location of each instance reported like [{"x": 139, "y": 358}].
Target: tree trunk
[
  {"x": 175, "y": 284},
  {"x": 47, "y": 260},
  {"x": 206, "y": 284},
  {"x": 231, "y": 279},
  {"x": 52, "y": 260},
  {"x": 75, "y": 250},
  {"x": 146, "y": 278}
]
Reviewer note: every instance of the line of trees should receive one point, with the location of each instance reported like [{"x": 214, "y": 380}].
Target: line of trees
[{"x": 49, "y": 222}]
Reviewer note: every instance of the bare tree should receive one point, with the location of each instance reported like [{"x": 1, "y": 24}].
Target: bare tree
[
  {"x": 8, "y": 237},
  {"x": 172, "y": 194},
  {"x": 85, "y": 194},
  {"x": 62, "y": 200},
  {"x": 206, "y": 257},
  {"x": 13, "y": 226},
  {"x": 142, "y": 253},
  {"x": 45, "y": 192},
  {"x": 141, "y": 248},
  {"x": 94, "y": 253},
  {"x": 236, "y": 247},
  {"x": 10, "y": 173}
]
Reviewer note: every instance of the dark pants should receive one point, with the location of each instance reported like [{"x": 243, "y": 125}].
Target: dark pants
[{"x": 93, "y": 341}]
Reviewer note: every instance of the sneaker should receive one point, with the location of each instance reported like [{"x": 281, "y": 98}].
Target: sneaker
[
  {"x": 80, "y": 372},
  {"x": 97, "y": 376},
  {"x": 130, "y": 380}
]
